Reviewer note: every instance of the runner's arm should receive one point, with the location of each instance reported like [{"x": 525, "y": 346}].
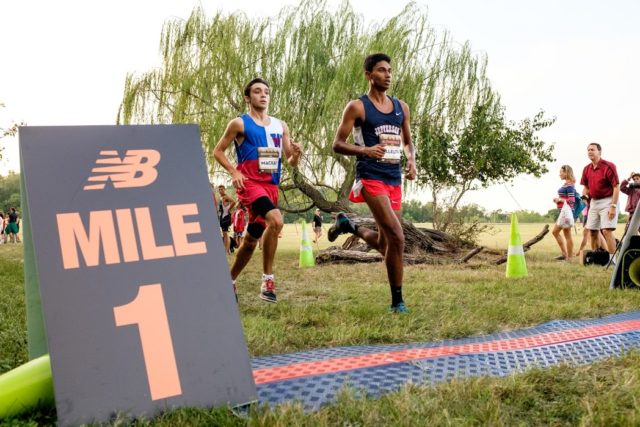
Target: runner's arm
[
  {"x": 234, "y": 129},
  {"x": 354, "y": 110},
  {"x": 292, "y": 150},
  {"x": 409, "y": 149}
]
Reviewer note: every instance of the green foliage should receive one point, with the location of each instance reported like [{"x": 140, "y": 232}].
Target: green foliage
[
  {"x": 312, "y": 56},
  {"x": 12, "y": 130},
  {"x": 10, "y": 192},
  {"x": 416, "y": 211},
  {"x": 486, "y": 151}
]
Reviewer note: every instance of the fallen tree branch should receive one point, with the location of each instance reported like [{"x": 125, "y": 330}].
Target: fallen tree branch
[
  {"x": 471, "y": 254},
  {"x": 528, "y": 244},
  {"x": 336, "y": 255}
]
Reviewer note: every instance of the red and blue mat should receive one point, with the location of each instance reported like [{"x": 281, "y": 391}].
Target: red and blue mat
[{"x": 315, "y": 377}]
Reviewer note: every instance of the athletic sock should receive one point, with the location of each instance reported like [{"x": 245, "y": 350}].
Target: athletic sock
[
  {"x": 396, "y": 295},
  {"x": 267, "y": 277}
]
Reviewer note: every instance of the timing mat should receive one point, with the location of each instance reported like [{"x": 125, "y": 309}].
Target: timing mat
[{"x": 315, "y": 377}]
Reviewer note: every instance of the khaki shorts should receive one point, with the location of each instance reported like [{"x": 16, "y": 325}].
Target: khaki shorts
[{"x": 598, "y": 218}]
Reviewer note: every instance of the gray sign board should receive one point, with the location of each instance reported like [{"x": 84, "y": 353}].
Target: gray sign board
[{"x": 138, "y": 305}]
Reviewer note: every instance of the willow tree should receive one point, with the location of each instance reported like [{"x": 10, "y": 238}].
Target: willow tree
[{"x": 312, "y": 57}]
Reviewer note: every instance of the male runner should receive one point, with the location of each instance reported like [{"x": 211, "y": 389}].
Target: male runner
[
  {"x": 259, "y": 141},
  {"x": 380, "y": 124},
  {"x": 225, "y": 206}
]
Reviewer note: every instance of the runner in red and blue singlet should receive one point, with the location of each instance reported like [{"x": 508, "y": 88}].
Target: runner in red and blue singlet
[{"x": 259, "y": 140}]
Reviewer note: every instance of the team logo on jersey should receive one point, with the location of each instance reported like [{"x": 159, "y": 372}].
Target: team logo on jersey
[
  {"x": 135, "y": 169},
  {"x": 277, "y": 139}
]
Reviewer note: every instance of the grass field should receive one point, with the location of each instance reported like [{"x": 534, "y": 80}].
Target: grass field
[{"x": 347, "y": 305}]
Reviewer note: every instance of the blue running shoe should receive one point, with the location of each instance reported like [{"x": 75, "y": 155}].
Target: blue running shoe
[
  {"x": 342, "y": 225},
  {"x": 399, "y": 308}
]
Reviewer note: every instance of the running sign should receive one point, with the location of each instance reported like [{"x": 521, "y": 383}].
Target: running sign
[{"x": 135, "y": 289}]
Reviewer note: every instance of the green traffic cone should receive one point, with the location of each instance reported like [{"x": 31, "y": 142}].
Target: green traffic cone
[
  {"x": 516, "y": 264},
  {"x": 306, "y": 251},
  {"x": 26, "y": 387}
]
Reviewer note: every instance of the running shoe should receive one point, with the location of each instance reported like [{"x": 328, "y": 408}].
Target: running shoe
[
  {"x": 559, "y": 258},
  {"x": 268, "y": 291},
  {"x": 399, "y": 308},
  {"x": 342, "y": 225}
]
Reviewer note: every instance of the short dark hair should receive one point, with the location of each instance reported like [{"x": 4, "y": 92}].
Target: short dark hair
[
  {"x": 247, "y": 88},
  {"x": 597, "y": 146},
  {"x": 371, "y": 60}
]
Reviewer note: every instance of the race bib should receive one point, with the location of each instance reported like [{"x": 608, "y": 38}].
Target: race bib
[
  {"x": 268, "y": 159},
  {"x": 392, "y": 148}
]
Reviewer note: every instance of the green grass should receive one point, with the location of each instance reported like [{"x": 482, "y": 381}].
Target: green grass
[{"x": 347, "y": 305}]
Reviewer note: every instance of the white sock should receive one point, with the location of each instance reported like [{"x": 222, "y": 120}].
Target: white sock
[{"x": 267, "y": 277}]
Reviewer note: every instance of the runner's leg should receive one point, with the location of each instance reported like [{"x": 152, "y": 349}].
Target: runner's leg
[{"x": 390, "y": 239}]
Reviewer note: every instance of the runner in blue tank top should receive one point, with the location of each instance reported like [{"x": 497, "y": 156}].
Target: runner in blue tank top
[
  {"x": 381, "y": 134},
  {"x": 260, "y": 141}
]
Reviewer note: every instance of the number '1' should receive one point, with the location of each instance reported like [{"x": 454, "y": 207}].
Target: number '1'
[{"x": 148, "y": 312}]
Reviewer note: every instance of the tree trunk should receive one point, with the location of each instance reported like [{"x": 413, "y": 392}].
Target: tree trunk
[{"x": 422, "y": 245}]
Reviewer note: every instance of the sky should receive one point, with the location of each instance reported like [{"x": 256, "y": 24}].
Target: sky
[{"x": 64, "y": 63}]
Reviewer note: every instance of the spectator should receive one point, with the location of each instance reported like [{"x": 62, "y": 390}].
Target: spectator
[
  {"x": 602, "y": 243},
  {"x": 317, "y": 225},
  {"x": 13, "y": 227},
  {"x": 632, "y": 192},
  {"x": 225, "y": 206},
  {"x": 600, "y": 180},
  {"x": 3, "y": 225},
  {"x": 566, "y": 194}
]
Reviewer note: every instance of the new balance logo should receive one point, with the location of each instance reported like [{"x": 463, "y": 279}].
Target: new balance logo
[{"x": 136, "y": 169}]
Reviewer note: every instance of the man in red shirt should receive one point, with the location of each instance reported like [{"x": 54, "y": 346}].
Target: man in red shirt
[{"x": 600, "y": 181}]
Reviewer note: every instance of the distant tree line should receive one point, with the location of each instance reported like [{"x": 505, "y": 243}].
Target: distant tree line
[
  {"x": 412, "y": 210},
  {"x": 419, "y": 212}
]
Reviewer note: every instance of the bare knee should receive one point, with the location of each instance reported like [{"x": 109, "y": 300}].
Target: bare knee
[
  {"x": 394, "y": 237},
  {"x": 274, "y": 221}
]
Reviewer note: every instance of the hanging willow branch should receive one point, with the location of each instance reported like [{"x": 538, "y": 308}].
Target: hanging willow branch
[{"x": 312, "y": 57}]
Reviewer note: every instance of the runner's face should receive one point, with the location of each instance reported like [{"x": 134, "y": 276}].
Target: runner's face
[
  {"x": 259, "y": 96},
  {"x": 593, "y": 153},
  {"x": 636, "y": 179},
  {"x": 380, "y": 76}
]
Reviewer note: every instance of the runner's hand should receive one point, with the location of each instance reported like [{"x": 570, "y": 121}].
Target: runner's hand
[
  {"x": 377, "y": 151},
  {"x": 296, "y": 148},
  {"x": 410, "y": 171},
  {"x": 237, "y": 179}
]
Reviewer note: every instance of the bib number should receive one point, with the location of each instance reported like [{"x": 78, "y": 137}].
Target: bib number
[
  {"x": 268, "y": 159},
  {"x": 392, "y": 148}
]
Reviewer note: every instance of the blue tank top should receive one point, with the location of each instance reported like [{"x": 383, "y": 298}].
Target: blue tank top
[{"x": 375, "y": 128}]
